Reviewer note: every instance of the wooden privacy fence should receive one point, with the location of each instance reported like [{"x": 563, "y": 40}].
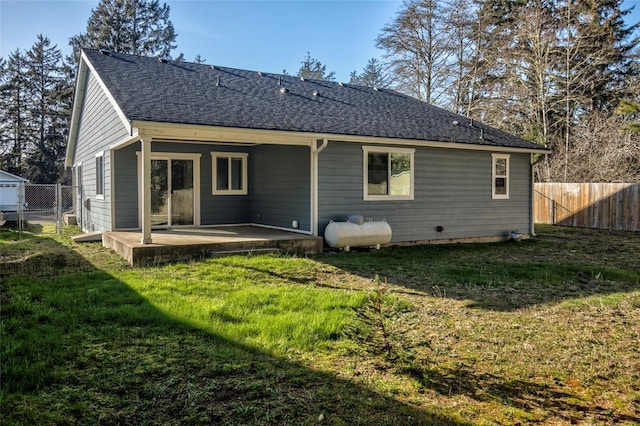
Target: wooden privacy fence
[{"x": 590, "y": 205}]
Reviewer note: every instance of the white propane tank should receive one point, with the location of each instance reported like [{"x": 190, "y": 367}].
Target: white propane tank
[{"x": 347, "y": 234}]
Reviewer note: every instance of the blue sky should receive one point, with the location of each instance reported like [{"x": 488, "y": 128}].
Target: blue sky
[
  {"x": 257, "y": 35},
  {"x": 261, "y": 35}
]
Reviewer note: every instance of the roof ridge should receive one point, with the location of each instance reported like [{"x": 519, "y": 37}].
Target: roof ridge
[{"x": 258, "y": 72}]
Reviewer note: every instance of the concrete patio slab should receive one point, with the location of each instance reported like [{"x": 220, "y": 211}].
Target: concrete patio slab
[
  {"x": 197, "y": 243},
  {"x": 87, "y": 237}
]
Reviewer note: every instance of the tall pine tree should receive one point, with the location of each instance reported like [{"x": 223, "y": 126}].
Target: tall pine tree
[
  {"x": 34, "y": 107},
  {"x": 138, "y": 27},
  {"x": 521, "y": 67},
  {"x": 598, "y": 54},
  {"x": 373, "y": 75},
  {"x": 458, "y": 29},
  {"x": 13, "y": 112},
  {"x": 47, "y": 112},
  {"x": 312, "y": 68}
]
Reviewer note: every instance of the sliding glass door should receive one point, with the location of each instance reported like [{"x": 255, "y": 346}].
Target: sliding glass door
[{"x": 172, "y": 192}]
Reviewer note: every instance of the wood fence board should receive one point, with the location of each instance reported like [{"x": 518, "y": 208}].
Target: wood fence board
[
  {"x": 635, "y": 218},
  {"x": 590, "y": 205}
]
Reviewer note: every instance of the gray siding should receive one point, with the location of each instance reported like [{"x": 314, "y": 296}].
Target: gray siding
[
  {"x": 125, "y": 191},
  {"x": 280, "y": 186},
  {"x": 214, "y": 209},
  {"x": 99, "y": 127},
  {"x": 452, "y": 189},
  {"x": 222, "y": 209},
  {"x": 278, "y": 192}
]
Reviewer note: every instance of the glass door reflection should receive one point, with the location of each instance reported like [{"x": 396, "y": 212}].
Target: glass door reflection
[{"x": 172, "y": 196}]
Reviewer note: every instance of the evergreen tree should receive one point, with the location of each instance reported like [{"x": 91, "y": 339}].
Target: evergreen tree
[
  {"x": 458, "y": 29},
  {"x": 597, "y": 59},
  {"x": 313, "y": 69},
  {"x": 138, "y": 27},
  {"x": 13, "y": 112},
  {"x": 522, "y": 39},
  {"x": 373, "y": 75},
  {"x": 48, "y": 109},
  {"x": 599, "y": 48},
  {"x": 630, "y": 110},
  {"x": 497, "y": 60}
]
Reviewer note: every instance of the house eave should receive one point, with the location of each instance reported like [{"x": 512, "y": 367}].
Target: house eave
[
  {"x": 84, "y": 68},
  {"x": 76, "y": 111},
  {"x": 200, "y": 133}
]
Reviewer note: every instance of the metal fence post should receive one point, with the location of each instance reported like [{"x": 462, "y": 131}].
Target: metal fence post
[
  {"x": 59, "y": 223},
  {"x": 20, "y": 207}
]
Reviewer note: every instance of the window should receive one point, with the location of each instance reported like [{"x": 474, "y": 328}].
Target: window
[
  {"x": 388, "y": 173},
  {"x": 77, "y": 182},
  {"x": 229, "y": 173},
  {"x": 100, "y": 176},
  {"x": 500, "y": 176}
]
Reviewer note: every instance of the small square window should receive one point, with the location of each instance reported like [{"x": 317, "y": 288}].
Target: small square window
[
  {"x": 500, "y": 176},
  {"x": 229, "y": 173},
  {"x": 388, "y": 173}
]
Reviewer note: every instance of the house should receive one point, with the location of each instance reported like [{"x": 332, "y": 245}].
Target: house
[{"x": 167, "y": 144}]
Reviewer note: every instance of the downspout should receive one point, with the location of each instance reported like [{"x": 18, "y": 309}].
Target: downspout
[
  {"x": 315, "y": 152},
  {"x": 532, "y": 162},
  {"x": 532, "y": 230}
]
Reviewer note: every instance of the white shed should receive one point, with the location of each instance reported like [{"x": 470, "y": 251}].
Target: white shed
[{"x": 9, "y": 186}]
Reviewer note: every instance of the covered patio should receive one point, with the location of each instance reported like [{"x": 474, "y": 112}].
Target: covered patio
[{"x": 181, "y": 244}]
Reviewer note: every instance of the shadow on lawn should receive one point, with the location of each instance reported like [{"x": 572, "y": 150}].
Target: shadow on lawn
[
  {"x": 556, "y": 403},
  {"x": 525, "y": 395},
  {"x": 501, "y": 276},
  {"x": 80, "y": 346}
]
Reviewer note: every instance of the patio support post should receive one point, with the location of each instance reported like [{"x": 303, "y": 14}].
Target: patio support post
[{"x": 146, "y": 190}]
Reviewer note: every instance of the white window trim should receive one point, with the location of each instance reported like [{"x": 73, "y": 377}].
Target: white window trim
[
  {"x": 214, "y": 182},
  {"x": 100, "y": 195},
  {"x": 365, "y": 172},
  {"x": 495, "y": 157},
  {"x": 77, "y": 175}
]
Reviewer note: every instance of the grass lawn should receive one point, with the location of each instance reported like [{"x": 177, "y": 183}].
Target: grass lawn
[{"x": 544, "y": 331}]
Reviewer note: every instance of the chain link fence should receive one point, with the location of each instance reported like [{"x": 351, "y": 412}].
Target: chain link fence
[{"x": 23, "y": 204}]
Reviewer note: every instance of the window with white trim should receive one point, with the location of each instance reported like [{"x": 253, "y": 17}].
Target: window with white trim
[
  {"x": 500, "y": 176},
  {"x": 100, "y": 175},
  {"x": 388, "y": 173},
  {"x": 229, "y": 173}
]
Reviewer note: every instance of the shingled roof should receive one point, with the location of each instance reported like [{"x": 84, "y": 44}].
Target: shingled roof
[{"x": 148, "y": 89}]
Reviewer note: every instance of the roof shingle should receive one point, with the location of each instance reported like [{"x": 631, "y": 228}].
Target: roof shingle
[{"x": 147, "y": 89}]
